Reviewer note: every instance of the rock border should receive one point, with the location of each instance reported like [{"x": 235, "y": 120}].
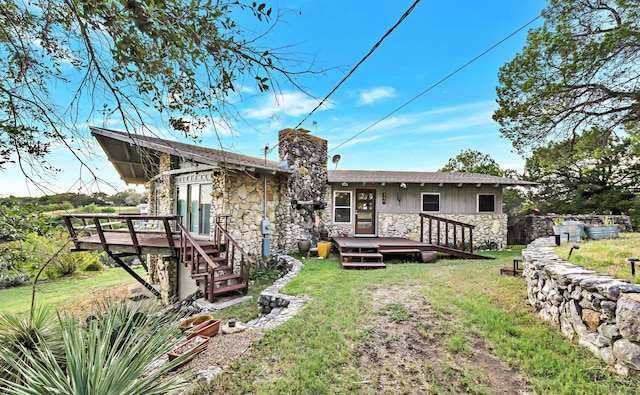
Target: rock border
[{"x": 600, "y": 311}]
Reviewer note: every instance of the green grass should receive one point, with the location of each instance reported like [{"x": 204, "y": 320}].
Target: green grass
[
  {"x": 605, "y": 256},
  {"x": 67, "y": 292},
  {"x": 313, "y": 353}
]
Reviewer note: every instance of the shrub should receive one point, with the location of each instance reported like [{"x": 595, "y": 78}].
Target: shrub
[
  {"x": 94, "y": 266},
  {"x": 101, "y": 356}
]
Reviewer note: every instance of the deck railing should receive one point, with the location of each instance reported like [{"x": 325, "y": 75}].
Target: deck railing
[
  {"x": 134, "y": 225},
  {"x": 446, "y": 232}
]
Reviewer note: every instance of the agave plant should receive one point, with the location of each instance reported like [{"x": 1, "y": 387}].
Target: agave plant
[{"x": 111, "y": 353}]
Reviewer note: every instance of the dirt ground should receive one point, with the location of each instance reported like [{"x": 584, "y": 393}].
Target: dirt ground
[
  {"x": 405, "y": 352},
  {"x": 411, "y": 356}
]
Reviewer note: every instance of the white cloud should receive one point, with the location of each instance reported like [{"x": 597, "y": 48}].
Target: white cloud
[
  {"x": 373, "y": 95},
  {"x": 291, "y": 104}
]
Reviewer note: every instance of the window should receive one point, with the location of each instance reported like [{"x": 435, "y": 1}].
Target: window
[
  {"x": 194, "y": 205},
  {"x": 342, "y": 206},
  {"x": 431, "y": 202},
  {"x": 486, "y": 203}
]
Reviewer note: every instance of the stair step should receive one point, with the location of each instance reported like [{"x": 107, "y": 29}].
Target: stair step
[
  {"x": 363, "y": 265},
  {"x": 222, "y": 268},
  {"x": 401, "y": 251},
  {"x": 226, "y": 277},
  {"x": 228, "y": 288},
  {"x": 361, "y": 254}
]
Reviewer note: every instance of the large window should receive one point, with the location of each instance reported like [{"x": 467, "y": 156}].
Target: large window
[
  {"x": 194, "y": 205},
  {"x": 486, "y": 203},
  {"x": 431, "y": 202},
  {"x": 342, "y": 207}
]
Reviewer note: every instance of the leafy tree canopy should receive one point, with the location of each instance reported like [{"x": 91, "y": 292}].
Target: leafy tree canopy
[
  {"x": 579, "y": 70},
  {"x": 128, "y": 59},
  {"x": 471, "y": 161},
  {"x": 596, "y": 172}
]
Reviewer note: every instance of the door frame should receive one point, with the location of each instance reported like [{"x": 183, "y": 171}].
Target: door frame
[{"x": 373, "y": 212}]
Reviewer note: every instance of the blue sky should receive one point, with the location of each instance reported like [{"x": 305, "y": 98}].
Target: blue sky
[{"x": 435, "y": 40}]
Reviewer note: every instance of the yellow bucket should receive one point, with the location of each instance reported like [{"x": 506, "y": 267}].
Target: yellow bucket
[{"x": 323, "y": 249}]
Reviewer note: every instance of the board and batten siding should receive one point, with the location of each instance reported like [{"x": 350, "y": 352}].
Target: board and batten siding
[{"x": 453, "y": 199}]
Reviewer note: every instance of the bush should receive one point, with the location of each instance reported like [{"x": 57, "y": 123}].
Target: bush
[
  {"x": 94, "y": 266},
  {"x": 43, "y": 248},
  {"x": 100, "y": 355}
]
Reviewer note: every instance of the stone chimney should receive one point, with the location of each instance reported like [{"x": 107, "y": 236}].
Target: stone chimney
[{"x": 306, "y": 157}]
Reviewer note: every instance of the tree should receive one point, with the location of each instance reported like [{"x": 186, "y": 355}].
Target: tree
[
  {"x": 596, "y": 172},
  {"x": 579, "y": 70},
  {"x": 179, "y": 59},
  {"x": 471, "y": 161}
]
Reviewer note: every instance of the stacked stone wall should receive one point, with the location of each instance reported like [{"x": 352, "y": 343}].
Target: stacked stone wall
[
  {"x": 490, "y": 229},
  {"x": 542, "y": 225},
  {"x": 300, "y": 216},
  {"x": 601, "y": 312}
]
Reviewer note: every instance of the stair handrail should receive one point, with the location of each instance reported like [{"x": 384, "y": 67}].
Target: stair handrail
[
  {"x": 446, "y": 221},
  {"x": 245, "y": 260}
]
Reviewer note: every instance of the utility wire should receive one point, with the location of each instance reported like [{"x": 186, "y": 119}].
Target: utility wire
[
  {"x": 437, "y": 83},
  {"x": 402, "y": 18}
]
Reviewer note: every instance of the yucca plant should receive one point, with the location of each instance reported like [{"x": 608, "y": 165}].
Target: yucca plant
[
  {"x": 110, "y": 353},
  {"x": 21, "y": 336}
]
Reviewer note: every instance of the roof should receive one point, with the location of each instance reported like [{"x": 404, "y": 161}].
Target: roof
[
  {"x": 136, "y": 157},
  {"x": 419, "y": 177}
]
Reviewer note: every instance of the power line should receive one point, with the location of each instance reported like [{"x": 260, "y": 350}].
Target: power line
[
  {"x": 437, "y": 83},
  {"x": 402, "y": 18}
]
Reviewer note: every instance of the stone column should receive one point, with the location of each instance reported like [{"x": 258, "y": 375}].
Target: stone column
[{"x": 306, "y": 156}]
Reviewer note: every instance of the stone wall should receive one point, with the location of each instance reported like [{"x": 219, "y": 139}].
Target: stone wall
[
  {"x": 490, "y": 229},
  {"x": 542, "y": 225},
  {"x": 602, "y": 313},
  {"x": 299, "y": 215},
  {"x": 162, "y": 272}
]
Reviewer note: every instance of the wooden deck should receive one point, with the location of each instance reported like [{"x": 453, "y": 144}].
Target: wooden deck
[
  {"x": 369, "y": 252},
  {"x": 212, "y": 263}
]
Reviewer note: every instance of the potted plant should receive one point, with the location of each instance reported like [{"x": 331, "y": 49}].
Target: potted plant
[{"x": 608, "y": 230}]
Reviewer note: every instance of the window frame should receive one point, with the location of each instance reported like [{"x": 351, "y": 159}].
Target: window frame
[
  {"x": 335, "y": 207},
  {"x": 203, "y": 223},
  {"x": 422, "y": 210},
  {"x": 493, "y": 195}
]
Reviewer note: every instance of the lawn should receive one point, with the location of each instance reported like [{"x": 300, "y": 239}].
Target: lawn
[
  {"x": 450, "y": 327},
  {"x": 605, "y": 256},
  {"x": 72, "y": 292}
]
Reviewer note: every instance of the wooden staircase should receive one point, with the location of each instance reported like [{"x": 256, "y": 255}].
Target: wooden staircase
[
  {"x": 361, "y": 255},
  {"x": 219, "y": 266}
]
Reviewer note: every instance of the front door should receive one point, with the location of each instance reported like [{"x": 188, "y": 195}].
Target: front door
[{"x": 365, "y": 211}]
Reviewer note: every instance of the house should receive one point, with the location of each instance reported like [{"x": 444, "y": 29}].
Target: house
[{"x": 269, "y": 206}]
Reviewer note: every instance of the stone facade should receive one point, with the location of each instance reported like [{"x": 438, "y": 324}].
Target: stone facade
[
  {"x": 490, "y": 229},
  {"x": 602, "y": 313},
  {"x": 162, "y": 272},
  {"x": 537, "y": 226},
  {"x": 299, "y": 216}
]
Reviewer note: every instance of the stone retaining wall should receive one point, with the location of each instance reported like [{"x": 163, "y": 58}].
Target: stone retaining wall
[
  {"x": 601, "y": 312},
  {"x": 542, "y": 225}
]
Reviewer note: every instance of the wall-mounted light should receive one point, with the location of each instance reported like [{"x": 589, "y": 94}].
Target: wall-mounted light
[
  {"x": 345, "y": 184},
  {"x": 384, "y": 198},
  {"x": 403, "y": 185}
]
